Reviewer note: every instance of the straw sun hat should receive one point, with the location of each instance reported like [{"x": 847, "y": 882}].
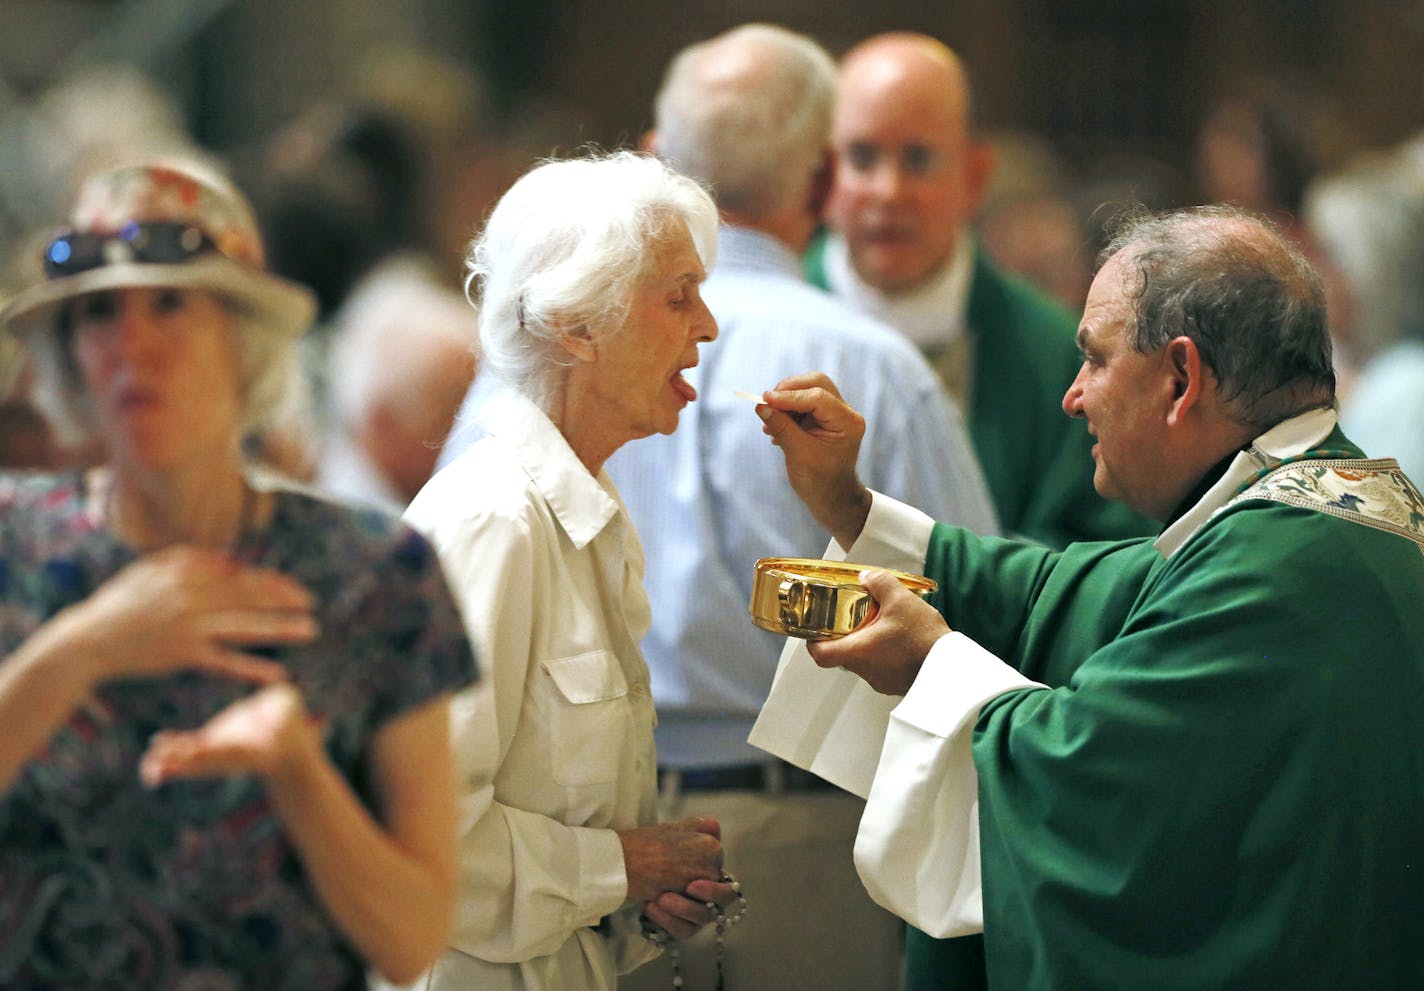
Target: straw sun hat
[{"x": 160, "y": 225}]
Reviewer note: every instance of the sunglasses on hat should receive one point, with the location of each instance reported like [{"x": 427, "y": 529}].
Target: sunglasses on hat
[{"x": 160, "y": 242}]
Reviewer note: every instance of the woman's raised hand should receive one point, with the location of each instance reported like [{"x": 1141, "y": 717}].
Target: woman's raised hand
[
  {"x": 190, "y": 608},
  {"x": 267, "y": 733}
]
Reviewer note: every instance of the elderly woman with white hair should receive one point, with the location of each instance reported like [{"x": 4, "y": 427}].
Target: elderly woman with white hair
[
  {"x": 225, "y": 760},
  {"x": 588, "y": 275}
]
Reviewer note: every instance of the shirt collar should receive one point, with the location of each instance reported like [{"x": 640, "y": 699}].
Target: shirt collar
[
  {"x": 583, "y": 505},
  {"x": 1288, "y": 439},
  {"x": 928, "y": 315},
  {"x": 742, "y": 249}
]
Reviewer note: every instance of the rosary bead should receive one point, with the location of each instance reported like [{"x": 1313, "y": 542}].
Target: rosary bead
[{"x": 723, "y": 919}]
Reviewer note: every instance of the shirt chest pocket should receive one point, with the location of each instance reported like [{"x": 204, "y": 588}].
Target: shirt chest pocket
[{"x": 589, "y": 718}]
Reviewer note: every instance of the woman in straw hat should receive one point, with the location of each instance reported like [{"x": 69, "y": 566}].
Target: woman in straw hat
[{"x": 225, "y": 760}]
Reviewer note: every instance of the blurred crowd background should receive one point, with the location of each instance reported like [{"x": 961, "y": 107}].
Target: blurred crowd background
[{"x": 369, "y": 131}]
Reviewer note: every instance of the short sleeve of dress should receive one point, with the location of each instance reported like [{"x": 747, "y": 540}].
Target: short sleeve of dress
[
  {"x": 431, "y": 653},
  {"x": 391, "y": 633}
]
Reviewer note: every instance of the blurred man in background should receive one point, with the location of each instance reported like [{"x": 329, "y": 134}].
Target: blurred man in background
[{"x": 910, "y": 176}]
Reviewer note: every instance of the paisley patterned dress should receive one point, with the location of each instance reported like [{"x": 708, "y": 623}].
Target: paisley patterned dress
[{"x": 194, "y": 885}]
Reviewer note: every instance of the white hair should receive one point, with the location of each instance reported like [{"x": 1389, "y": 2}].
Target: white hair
[
  {"x": 749, "y": 113},
  {"x": 1369, "y": 220},
  {"x": 564, "y": 248},
  {"x": 396, "y": 322}
]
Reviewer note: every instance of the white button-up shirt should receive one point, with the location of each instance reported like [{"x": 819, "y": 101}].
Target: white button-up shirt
[{"x": 556, "y": 742}]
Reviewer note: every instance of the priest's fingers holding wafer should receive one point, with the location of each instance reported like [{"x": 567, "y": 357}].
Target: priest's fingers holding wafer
[{"x": 820, "y": 435}]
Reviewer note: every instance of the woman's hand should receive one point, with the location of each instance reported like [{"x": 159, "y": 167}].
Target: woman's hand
[
  {"x": 185, "y": 607},
  {"x": 267, "y": 734},
  {"x": 671, "y": 856},
  {"x": 887, "y": 651},
  {"x": 683, "y": 915},
  {"x": 175, "y": 609}
]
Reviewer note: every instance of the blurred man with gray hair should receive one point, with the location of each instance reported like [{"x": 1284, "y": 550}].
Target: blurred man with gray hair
[
  {"x": 749, "y": 114},
  {"x": 402, "y": 356}
]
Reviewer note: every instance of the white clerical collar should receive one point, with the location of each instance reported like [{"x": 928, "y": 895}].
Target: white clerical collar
[
  {"x": 1295, "y": 436},
  {"x": 928, "y": 315}
]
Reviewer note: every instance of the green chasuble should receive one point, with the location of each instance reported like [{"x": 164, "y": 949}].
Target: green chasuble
[
  {"x": 1222, "y": 786},
  {"x": 1037, "y": 461}
]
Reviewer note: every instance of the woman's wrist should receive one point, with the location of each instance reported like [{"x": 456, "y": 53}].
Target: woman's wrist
[
  {"x": 300, "y": 759},
  {"x": 68, "y": 655}
]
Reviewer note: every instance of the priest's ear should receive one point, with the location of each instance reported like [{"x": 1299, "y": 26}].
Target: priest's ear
[
  {"x": 979, "y": 163},
  {"x": 1186, "y": 374},
  {"x": 649, "y": 141}
]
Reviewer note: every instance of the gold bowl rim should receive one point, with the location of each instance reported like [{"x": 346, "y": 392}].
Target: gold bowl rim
[
  {"x": 844, "y": 573},
  {"x": 838, "y": 578}
]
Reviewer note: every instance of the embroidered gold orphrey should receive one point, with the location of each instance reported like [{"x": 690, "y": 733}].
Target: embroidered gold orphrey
[{"x": 1373, "y": 492}]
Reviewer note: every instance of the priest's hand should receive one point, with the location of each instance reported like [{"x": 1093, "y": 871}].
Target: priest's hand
[
  {"x": 888, "y": 649},
  {"x": 820, "y": 435}
]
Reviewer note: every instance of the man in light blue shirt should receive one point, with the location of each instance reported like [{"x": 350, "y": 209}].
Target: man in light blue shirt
[
  {"x": 749, "y": 114},
  {"x": 1385, "y": 409}
]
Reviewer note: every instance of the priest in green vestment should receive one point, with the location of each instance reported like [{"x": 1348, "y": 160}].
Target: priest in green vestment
[{"x": 1184, "y": 763}]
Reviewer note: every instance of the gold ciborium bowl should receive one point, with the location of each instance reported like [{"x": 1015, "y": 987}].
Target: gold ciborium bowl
[{"x": 817, "y": 600}]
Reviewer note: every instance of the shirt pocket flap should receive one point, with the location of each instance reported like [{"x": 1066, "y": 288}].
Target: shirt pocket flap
[{"x": 592, "y": 677}]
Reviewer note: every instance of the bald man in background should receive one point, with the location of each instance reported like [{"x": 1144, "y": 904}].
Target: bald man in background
[{"x": 910, "y": 177}]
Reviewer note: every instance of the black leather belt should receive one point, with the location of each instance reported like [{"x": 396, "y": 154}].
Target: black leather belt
[{"x": 769, "y": 776}]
